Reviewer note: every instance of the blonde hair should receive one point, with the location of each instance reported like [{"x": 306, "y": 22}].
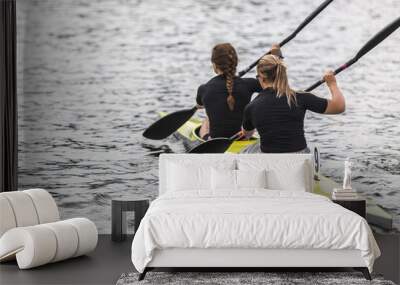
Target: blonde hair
[
  {"x": 272, "y": 68},
  {"x": 225, "y": 59}
]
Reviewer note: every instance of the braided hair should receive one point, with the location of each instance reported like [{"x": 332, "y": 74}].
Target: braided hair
[{"x": 225, "y": 59}]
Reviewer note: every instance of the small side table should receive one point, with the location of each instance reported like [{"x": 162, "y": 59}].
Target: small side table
[
  {"x": 357, "y": 206},
  {"x": 118, "y": 216}
]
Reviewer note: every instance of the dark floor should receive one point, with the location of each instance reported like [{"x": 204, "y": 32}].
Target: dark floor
[
  {"x": 388, "y": 264},
  {"x": 111, "y": 259},
  {"x": 103, "y": 266}
]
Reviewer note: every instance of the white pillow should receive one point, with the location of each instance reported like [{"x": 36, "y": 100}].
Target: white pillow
[
  {"x": 229, "y": 180},
  {"x": 284, "y": 172},
  {"x": 182, "y": 177},
  {"x": 223, "y": 179},
  {"x": 186, "y": 176},
  {"x": 251, "y": 178},
  {"x": 288, "y": 179}
]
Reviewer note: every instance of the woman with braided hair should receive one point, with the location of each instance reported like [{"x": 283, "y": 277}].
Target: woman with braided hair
[
  {"x": 225, "y": 96},
  {"x": 278, "y": 112}
]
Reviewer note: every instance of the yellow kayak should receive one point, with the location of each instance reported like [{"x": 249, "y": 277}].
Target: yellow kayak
[{"x": 188, "y": 133}]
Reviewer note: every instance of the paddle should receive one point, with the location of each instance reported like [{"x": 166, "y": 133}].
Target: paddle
[
  {"x": 220, "y": 145},
  {"x": 373, "y": 42},
  {"x": 167, "y": 125},
  {"x": 292, "y": 35},
  {"x": 217, "y": 145}
]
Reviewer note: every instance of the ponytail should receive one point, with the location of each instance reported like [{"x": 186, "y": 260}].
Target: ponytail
[
  {"x": 274, "y": 70},
  {"x": 225, "y": 58}
]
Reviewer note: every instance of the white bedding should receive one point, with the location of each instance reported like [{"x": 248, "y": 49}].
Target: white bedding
[{"x": 250, "y": 219}]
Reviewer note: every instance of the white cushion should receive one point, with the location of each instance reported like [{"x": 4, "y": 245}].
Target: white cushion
[
  {"x": 284, "y": 171},
  {"x": 67, "y": 239},
  {"x": 175, "y": 180},
  {"x": 288, "y": 179},
  {"x": 183, "y": 175},
  {"x": 7, "y": 218},
  {"x": 251, "y": 179},
  {"x": 230, "y": 180},
  {"x": 23, "y": 208},
  {"x": 168, "y": 178},
  {"x": 223, "y": 179},
  {"x": 87, "y": 233},
  {"x": 33, "y": 246},
  {"x": 26, "y": 208},
  {"x": 45, "y": 205}
]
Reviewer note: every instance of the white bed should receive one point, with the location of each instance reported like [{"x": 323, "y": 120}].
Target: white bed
[{"x": 222, "y": 215}]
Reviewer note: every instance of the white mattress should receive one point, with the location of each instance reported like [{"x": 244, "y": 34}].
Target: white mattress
[{"x": 258, "y": 219}]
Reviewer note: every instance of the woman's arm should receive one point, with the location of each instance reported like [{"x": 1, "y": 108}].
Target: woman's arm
[
  {"x": 337, "y": 103},
  {"x": 199, "y": 97},
  {"x": 247, "y": 125}
]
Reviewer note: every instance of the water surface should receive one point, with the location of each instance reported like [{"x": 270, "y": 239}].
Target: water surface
[{"x": 94, "y": 74}]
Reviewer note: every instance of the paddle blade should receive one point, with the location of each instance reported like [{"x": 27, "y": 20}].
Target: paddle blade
[
  {"x": 168, "y": 124},
  {"x": 383, "y": 34},
  {"x": 219, "y": 145}
]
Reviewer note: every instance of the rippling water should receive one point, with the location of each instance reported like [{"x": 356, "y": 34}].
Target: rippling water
[{"x": 94, "y": 74}]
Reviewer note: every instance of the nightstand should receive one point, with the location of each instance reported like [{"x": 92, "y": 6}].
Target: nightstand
[
  {"x": 357, "y": 206},
  {"x": 118, "y": 216}
]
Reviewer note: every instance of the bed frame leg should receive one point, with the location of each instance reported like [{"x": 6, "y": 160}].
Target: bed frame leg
[
  {"x": 143, "y": 274},
  {"x": 364, "y": 271}
]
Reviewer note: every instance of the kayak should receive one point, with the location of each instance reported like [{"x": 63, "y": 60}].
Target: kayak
[
  {"x": 189, "y": 134},
  {"x": 376, "y": 216}
]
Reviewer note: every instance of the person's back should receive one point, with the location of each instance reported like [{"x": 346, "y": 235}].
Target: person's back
[
  {"x": 278, "y": 112},
  {"x": 281, "y": 127},
  {"x": 225, "y": 122}
]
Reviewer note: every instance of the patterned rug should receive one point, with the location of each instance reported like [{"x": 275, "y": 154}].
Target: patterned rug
[{"x": 253, "y": 278}]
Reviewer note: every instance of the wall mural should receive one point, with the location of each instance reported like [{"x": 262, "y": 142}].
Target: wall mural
[{"x": 93, "y": 74}]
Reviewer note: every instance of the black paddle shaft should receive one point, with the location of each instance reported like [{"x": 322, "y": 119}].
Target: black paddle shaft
[
  {"x": 292, "y": 35},
  {"x": 373, "y": 42}
]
